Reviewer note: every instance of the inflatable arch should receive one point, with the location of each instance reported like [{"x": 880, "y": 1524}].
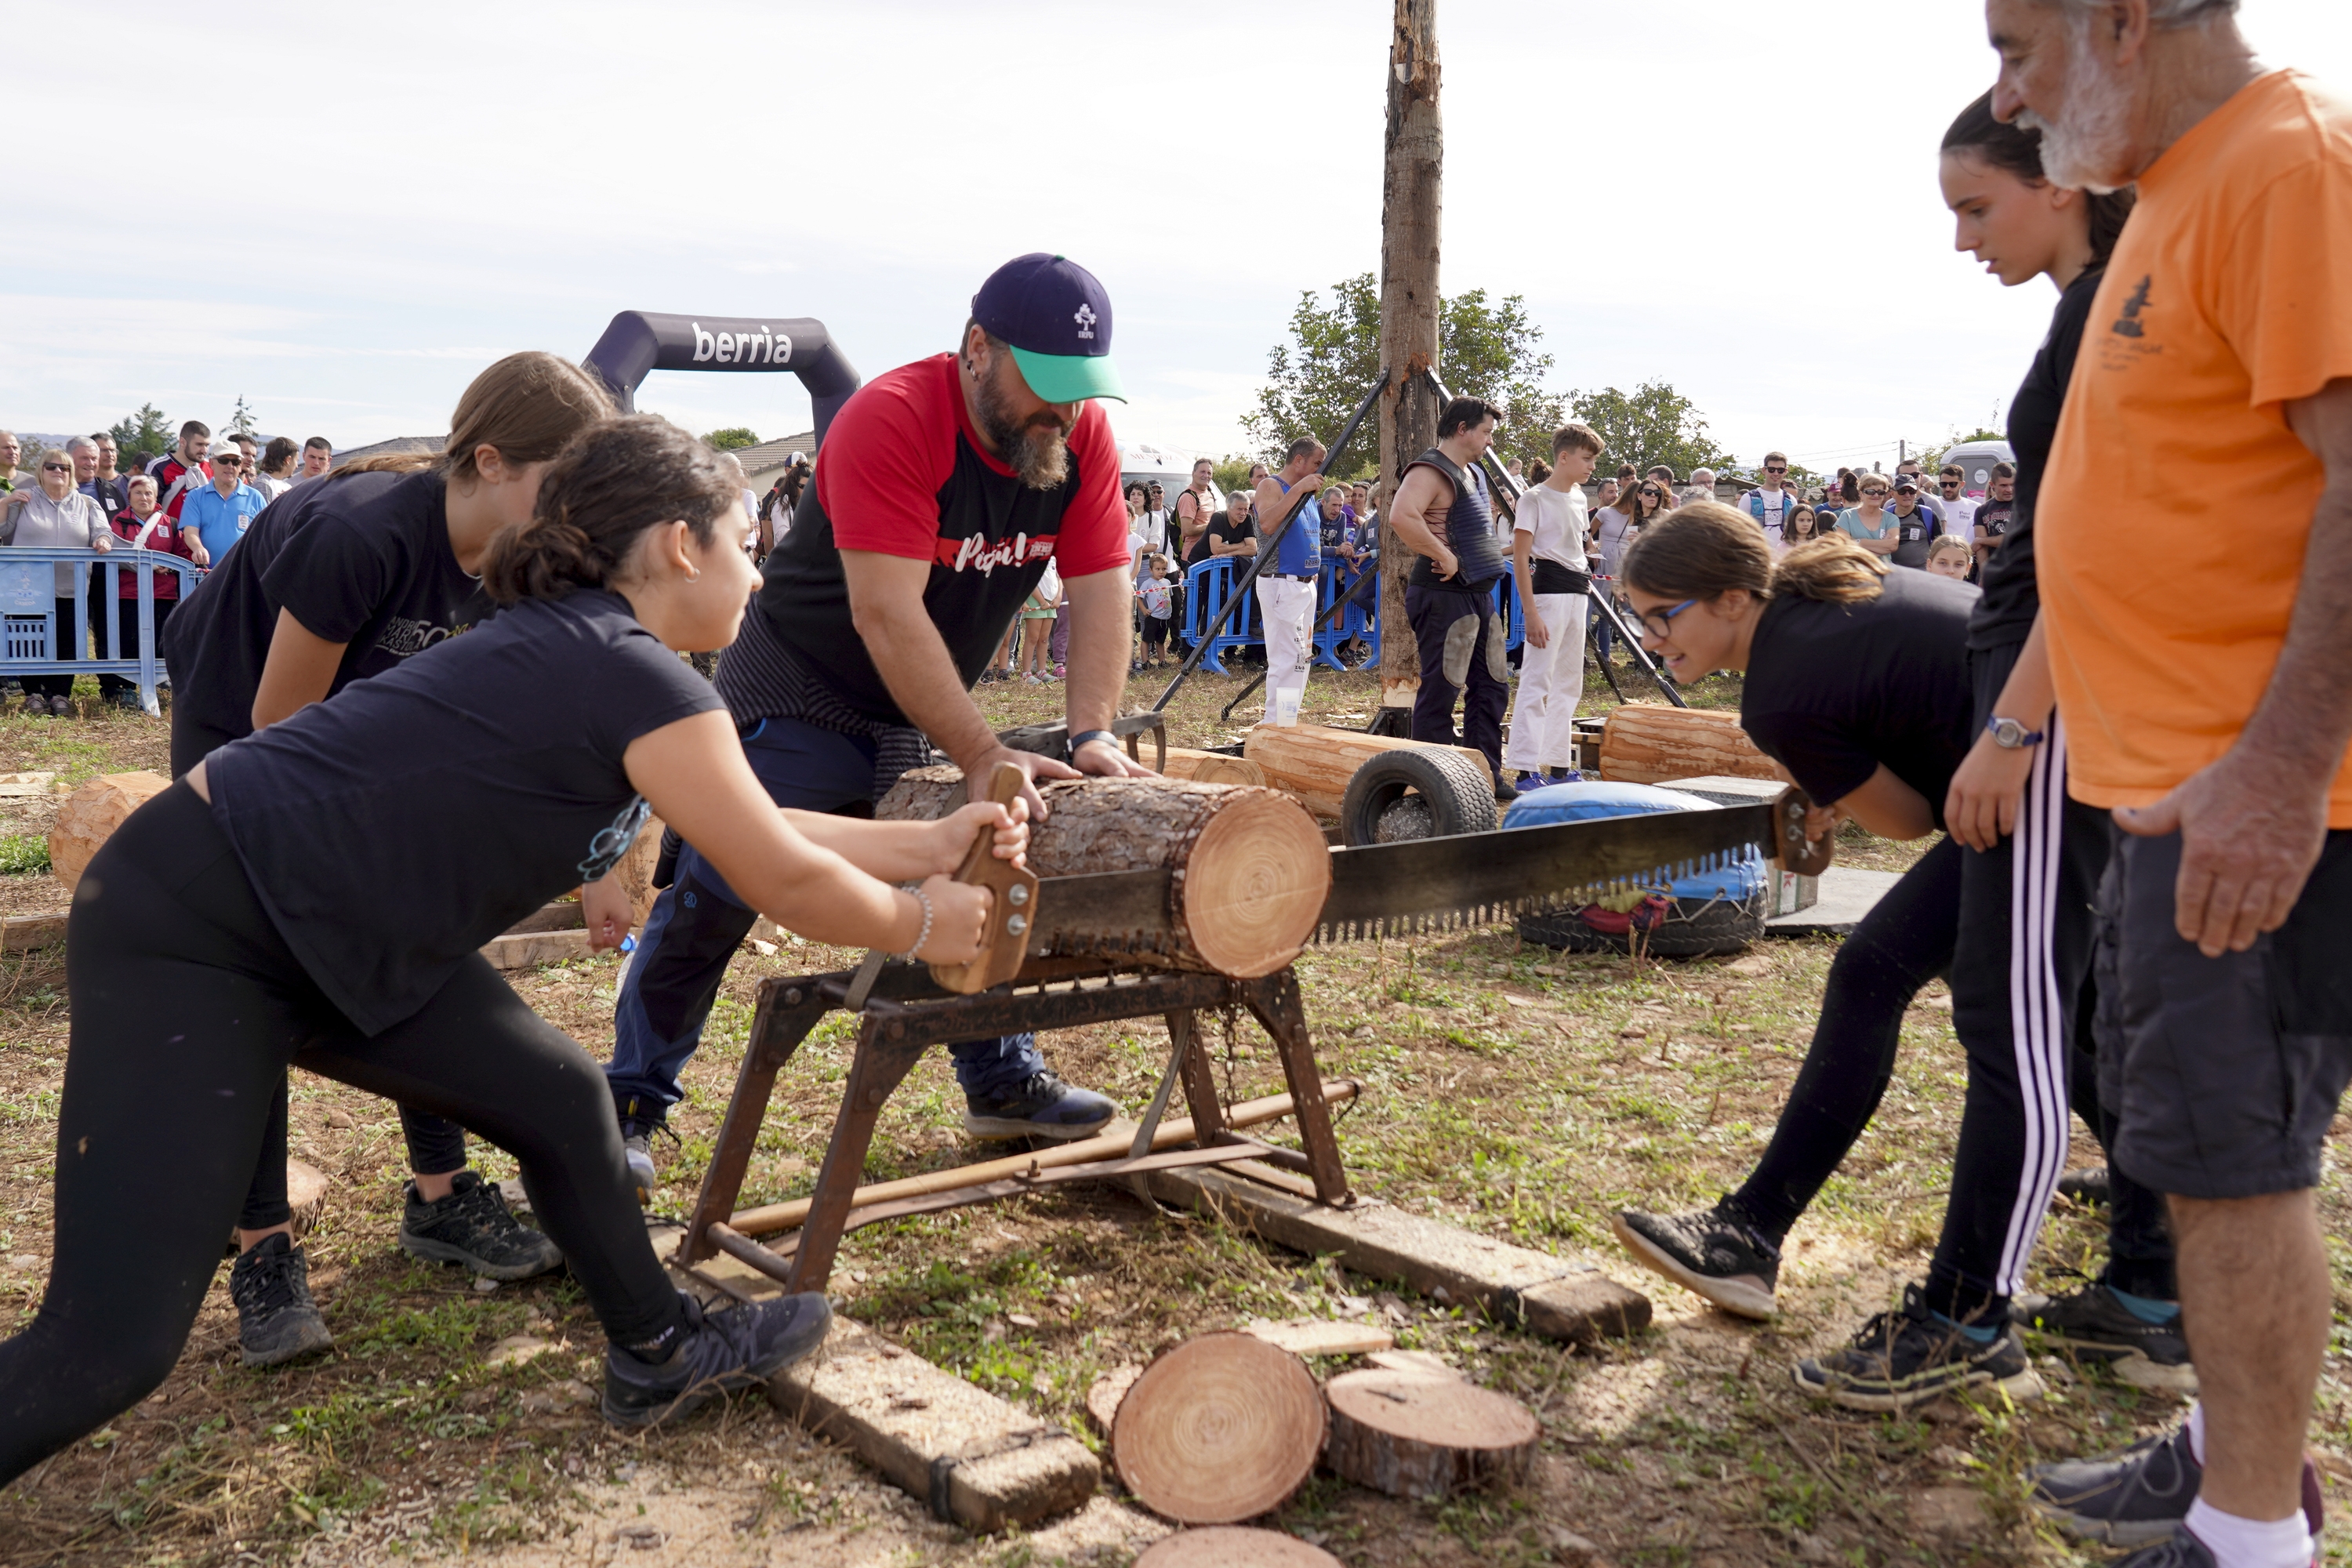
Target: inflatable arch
[{"x": 639, "y": 342}]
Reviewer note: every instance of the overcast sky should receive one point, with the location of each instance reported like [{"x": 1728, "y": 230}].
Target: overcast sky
[{"x": 344, "y": 212}]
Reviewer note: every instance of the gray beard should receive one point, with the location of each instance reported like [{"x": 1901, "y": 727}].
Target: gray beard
[
  {"x": 2082, "y": 152},
  {"x": 1035, "y": 453}
]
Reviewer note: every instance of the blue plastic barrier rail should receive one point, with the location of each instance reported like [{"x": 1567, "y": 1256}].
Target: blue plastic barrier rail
[
  {"x": 33, "y": 643},
  {"x": 1208, "y": 584}
]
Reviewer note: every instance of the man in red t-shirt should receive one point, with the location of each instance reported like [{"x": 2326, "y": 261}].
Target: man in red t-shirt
[
  {"x": 943, "y": 489},
  {"x": 183, "y": 468}
]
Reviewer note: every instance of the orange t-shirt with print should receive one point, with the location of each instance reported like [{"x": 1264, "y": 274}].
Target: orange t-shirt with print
[{"x": 2175, "y": 511}]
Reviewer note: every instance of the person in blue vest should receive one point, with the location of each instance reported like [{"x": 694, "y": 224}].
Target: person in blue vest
[
  {"x": 1440, "y": 512},
  {"x": 1287, "y": 584}
]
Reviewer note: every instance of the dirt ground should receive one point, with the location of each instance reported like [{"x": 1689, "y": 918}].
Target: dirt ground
[{"x": 1508, "y": 1091}]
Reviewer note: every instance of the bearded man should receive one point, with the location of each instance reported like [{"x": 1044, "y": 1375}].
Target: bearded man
[
  {"x": 943, "y": 489},
  {"x": 2214, "y": 727}
]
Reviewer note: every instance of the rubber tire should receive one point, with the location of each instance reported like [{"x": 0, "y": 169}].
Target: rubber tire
[
  {"x": 1722, "y": 927},
  {"x": 1459, "y": 793}
]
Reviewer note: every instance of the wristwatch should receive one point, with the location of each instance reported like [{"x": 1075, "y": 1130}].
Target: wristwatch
[
  {"x": 2009, "y": 734},
  {"x": 1084, "y": 736}
]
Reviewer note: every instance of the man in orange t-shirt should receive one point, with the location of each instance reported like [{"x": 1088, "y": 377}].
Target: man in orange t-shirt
[{"x": 2205, "y": 674}]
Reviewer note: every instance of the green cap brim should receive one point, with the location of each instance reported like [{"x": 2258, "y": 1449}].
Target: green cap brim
[{"x": 1069, "y": 378}]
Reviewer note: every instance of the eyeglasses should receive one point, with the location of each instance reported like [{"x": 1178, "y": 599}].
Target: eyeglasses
[
  {"x": 227, "y": 462},
  {"x": 1660, "y": 624},
  {"x": 1873, "y": 490},
  {"x": 1652, "y": 492},
  {"x": 56, "y": 467},
  {"x": 1771, "y": 470}
]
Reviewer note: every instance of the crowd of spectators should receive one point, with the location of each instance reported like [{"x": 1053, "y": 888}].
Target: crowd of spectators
[{"x": 194, "y": 502}]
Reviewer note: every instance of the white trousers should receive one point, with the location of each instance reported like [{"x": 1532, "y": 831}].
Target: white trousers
[
  {"x": 1285, "y": 613},
  {"x": 1551, "y": 683}
]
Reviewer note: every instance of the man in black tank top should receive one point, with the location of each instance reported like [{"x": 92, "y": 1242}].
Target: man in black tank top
[{"x": 1441, "y": 512}]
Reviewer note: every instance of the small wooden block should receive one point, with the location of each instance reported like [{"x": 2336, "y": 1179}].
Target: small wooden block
[
  {"x": 306, "y": 1194},
  {"x": 1413, "y": 1436},
  {"x": 975, "y": 1460},
  {"x": 89, "y": 815},
  {"x": 1320, "y": 1336},
  {"x": 1103, "y": 1398},
  {"x": 19, "y": 932},
  {"x": 1513, "y": 1285},
  {"x": 529, "y": 950},
  {"x": 1419, "y": 1361},
  {"x": 1235, "y": 1546},
  {"x": 563, "y": 914}
]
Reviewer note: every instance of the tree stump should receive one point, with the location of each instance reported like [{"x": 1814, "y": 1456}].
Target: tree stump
[
  {"x": 1411, "y": 1434},
  {"x": 1211, "y": 767},
  {"x": 89, "y": 815},
  {"x": 1647, "y": 742},
  {"x": 306, "y": 1194},
  {"x": 1315, "y": 763},
  {"x": 1251, "y": 867},
  {"x": 1235, "y": 1546},
  {"x": 1104, "y": 1395},
  {"x": 1221, "y": 1428}
]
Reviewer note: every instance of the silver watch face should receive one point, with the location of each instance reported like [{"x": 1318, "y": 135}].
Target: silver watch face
[{"x": 2007, "y": 733}]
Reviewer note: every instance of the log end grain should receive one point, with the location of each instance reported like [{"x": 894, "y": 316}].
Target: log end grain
[
  {"x": 1104, "y": 1395},
  {"x": 1221, "y": 1428},
  {"x": 1411, "y": 1434},
  {"x": 1235, "y": 1546},
  {"x": 1255, "y": 884},
  {"x": 89, "y": 815}
]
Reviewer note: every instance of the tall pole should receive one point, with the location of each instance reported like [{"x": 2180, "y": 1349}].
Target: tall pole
[{"x": 1410, "y": 189}]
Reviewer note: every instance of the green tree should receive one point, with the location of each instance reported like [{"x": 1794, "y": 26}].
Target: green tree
[
  {"x": 1484, "y": 349},
  {"x": 732, "y": 437},
  {"x": 140, "y": 435},
  {"x": 241, "y": 421},
  {"x": 1232, "y": 471},
  {"x": 1651, "y": 425}
]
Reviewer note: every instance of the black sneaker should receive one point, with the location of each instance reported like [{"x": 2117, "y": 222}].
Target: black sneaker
[
  {"x": 712, "y": 1356},
  {"x": 2097, "y": 1327},
  {"x": 2087, "y": 1186},
  {"x": 276, "y": 1318},
  {"x": 2140, "y": 1495},
  {"x": 1906, "y": 1357},
  {"x": 1042, "y": 1107},
  {"x": 1711, "y": 1252},
  {"x": 473, "y": 1226}
]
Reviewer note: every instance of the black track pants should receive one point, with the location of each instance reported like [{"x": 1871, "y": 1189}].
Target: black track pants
[
  {"x": 436, "y": 1145},
  {"x": 187, "y": 1010}
]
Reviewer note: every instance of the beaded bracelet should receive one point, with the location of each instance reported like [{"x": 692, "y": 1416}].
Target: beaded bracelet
[{"x": 924, "y": 935}]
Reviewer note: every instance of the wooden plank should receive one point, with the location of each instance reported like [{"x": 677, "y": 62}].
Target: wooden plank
[
  {"x": 529, "y": 950},
  {"x": 1570, "y": 1303},
  {"x": 564, "y": 914},
  {"x": 19, "y": 932},
  {"x": 1322, "y": 1336},
  {"x": 972, "y": 1457}
]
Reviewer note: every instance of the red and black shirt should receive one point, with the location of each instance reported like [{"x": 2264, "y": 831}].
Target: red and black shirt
[{"x": 903, "y": 473}]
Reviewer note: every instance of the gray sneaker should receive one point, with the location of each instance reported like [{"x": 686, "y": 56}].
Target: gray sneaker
[
  {"x": 2097, "y": 1327},
  {"x": 276, "y": 1318},
  {"x": 710, "y": 1356},
  {"x": 2140, "y": 1495}
]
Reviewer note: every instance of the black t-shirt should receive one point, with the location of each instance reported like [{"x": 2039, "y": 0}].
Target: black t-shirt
[
  {"x": 1225, "y": 530},
  {"x": 2011, "y": 598},
  {"x": 1913, "y": 535},
  {"x": 393, "y": 830},
  {"x": 362, "y": 560},
  {"x": 1835, "y": 690}
]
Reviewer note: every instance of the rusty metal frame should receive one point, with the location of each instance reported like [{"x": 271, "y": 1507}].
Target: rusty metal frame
[{"x": 907, "y": 1014}]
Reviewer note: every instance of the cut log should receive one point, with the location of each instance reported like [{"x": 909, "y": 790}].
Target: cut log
[
  {"x": 1105, "y": 1393},
  {"x": 1649, "y": 742},
  {"x": 1251, "y": 867},
  {"x": 1411, "y": 1434},
  {"x": 1235, "y": 1546},
  {"x": 1221, "y": 1428},
  {"x": 89, "y": 815},
  {"x": 1313, "y": 762},
  {"x": 1212, "y": 767},
  {"x": 306, "y": 1194}
]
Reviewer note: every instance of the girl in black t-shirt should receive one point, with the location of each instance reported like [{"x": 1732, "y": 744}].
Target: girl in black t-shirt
[
  {"x": 361, "y": 571},
  {"x": 1857, "y": 685},
  {"x": 317, "y": 893}
]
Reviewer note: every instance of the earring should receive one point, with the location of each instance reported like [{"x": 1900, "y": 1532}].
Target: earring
[{"x": 693, "y": 574}]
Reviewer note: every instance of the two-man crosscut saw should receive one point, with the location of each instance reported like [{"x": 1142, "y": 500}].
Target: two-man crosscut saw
[{"x": 1439, "y": 884}]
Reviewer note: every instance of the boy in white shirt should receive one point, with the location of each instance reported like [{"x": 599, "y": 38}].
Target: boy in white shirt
[{"x": 1549, "y": 565}]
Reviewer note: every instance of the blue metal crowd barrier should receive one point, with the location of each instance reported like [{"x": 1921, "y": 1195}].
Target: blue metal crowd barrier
[
  {"x": 31, "y": 641},
  {"x": 1208, "y": 584}
]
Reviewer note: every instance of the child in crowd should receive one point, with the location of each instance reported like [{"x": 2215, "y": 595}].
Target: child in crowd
[
  {"x": 1804, "y": 527},
  {"x": 1950, "y": 557},
  {"x": 1155, "y": 593}
]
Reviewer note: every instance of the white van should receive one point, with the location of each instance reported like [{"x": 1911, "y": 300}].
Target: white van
[
  {"x": 1976, "y": 459},
  {"x": 1170, "y": 467}
]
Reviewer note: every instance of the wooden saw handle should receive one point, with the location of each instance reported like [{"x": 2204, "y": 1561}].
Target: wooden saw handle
[
  {"x": 1009, "y": 917},
  {"x": 1790, "y": 849}
]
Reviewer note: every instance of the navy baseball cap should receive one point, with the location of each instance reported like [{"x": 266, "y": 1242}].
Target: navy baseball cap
[{"x": 1055, "y": 317}]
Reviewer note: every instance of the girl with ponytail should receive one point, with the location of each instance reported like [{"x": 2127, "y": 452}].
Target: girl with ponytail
[
  {"x": 319, "y": 891},
  {"x": 348, "y": 579},
  {"x": 1857, "y": 684}
]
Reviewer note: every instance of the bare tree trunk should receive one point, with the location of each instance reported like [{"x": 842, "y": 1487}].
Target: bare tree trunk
[{"x": 1411, "y": 193}]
